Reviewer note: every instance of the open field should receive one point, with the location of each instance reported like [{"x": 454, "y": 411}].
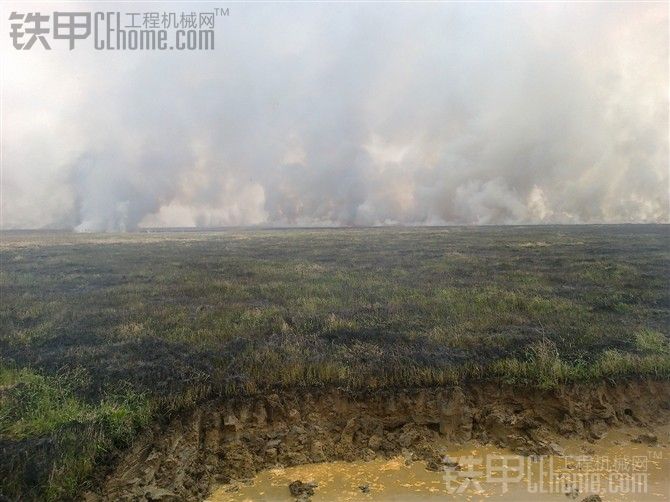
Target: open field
[{"x": 102, "y": 334}]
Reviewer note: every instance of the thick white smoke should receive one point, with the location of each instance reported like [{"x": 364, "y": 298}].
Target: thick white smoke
[{"x": 326, "y": 114}]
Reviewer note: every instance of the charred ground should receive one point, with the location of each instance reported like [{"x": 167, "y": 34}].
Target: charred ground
[{"x": 102, "y": 334}]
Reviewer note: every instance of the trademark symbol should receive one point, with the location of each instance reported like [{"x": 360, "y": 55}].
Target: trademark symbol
[{"x": 221, "y": 12}]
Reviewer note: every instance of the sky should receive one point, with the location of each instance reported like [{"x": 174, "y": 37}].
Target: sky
[{"x": 340, "y": 114}]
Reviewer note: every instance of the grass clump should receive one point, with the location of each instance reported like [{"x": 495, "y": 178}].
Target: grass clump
[
  {"x": 648, "y": 341},
  {"x": 43, "y": 418}
]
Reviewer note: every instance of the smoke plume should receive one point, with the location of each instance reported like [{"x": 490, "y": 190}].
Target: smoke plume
[{"x": 327, "y": 114}]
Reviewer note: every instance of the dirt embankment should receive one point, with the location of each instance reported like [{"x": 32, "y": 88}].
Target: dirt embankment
[{"x": 223, "y": 441}]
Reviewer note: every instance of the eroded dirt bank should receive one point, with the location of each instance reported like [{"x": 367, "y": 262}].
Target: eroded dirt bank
[{"x": 224, "y": 441}]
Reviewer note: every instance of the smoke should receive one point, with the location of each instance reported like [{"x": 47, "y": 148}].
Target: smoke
[{"x": 327, "y": 114}]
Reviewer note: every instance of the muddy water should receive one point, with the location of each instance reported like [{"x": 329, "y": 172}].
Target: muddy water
[{"x": 616, "y": 467}]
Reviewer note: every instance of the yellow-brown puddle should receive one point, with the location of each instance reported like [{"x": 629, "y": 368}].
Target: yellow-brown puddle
[{"x": 615, "y": 467}]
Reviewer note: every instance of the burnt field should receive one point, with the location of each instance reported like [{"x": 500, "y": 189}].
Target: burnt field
[{"x": 102, "y": 334}]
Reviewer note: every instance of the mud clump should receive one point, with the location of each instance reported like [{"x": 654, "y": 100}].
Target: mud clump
[
  {"x": 646, "y": 438},
  {"x": 302, "y": 491},
  {"x": 226, "y": 441}
]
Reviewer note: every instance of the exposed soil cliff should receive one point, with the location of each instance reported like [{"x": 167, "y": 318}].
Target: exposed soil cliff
[{"x": 231, "y": 440}]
